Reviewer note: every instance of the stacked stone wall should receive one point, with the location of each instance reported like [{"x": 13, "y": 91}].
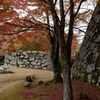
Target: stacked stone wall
[{"x": 29, "y": 59}]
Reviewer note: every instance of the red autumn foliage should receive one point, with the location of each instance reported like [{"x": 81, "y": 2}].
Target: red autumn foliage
[
  {"x": 52, "y": 91},
  {"x": 11, "y": 10}
]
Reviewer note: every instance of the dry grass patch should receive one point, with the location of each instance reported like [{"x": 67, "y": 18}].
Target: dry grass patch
[
  {"x": 35, "y": 91},
  {"x": 9, "y": 82},
  {"x": 11, "y": 93},
  {"x": 21, "y": 73},
  {"x": 51, "y": 91}
]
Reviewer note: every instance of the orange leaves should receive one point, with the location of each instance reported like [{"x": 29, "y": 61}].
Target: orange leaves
[
  {"x": 35, "y": 38},
  {"x": 24, "y": 36},
  {"x": 12, "y": 13},
  {"x": 23, "y": 13}
]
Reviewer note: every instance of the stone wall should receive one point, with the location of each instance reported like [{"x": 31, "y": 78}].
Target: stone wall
[
  {"x": 29, "y": 59},
  {"x": 87, "y": 64}
]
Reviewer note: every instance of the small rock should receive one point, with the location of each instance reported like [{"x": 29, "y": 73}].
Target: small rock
[
  {"x": 29, "y": 79},
  {"x": 26, "y": 84},
  {"x": 40, "y": 82}
]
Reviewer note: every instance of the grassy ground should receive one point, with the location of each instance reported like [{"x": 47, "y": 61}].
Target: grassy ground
[
  {"x": 11, "y": 87},
  {"x": 12, "y": 83},
  {"x": 21, "y": 73}
]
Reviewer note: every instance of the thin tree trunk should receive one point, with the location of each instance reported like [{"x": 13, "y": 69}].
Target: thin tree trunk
[
  {"x": 55, "y": 63},
  {"x": 66, "y": 56},
  {"x": 55, "y": 60},
  {"x": 54, "y": 50}
]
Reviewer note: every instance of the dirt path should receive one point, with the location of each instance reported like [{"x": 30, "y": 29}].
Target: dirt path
[{"x": 7, "y": 85}]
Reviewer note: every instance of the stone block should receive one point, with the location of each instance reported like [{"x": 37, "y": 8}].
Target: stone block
[
  {"x": 45, "y": 64},
  {"x": 24, "y": 53},
  {"x": 20, "y": 62},
  {"x": 31, "y": 59},
  {"x": 21, "y": 66},
  {"x": 38, "y": 63},
  {"x": 40, "y": 55},
  {"x": 11, "y": 58},
  {"x": 18, "y": 54},
  {"x": 26, "y": 63},
  {"x": 89, "y": 79},
  {"x": 36, "y": 67},
  {"x": 90, "y": 68},
  {"x": 41, "y": 52},
  {"x": 26, "y": 56},
  {"x": 44, "y": 68},
  {"x": 13, "y": 63},
  {"x": 29, "y": 52},
  {"x": 34, "y": 51},
  {"x": 21, "y": 56},
  {"x": 6, "y": 61},
  {"x": 6, "y": 56},
  {"x": 39, "y": 67},
  {"x": 99, "y": 79},
  {"x": 33, "y": 63},
  {"x": 13, "y": 53}
]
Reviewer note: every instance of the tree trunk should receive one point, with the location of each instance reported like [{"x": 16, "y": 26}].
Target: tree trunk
[
  {"x": 55, "y": 62},
  {"x": 55, "y": 59},
  {"x": 2, "y": 60},
  {"x": 87, "y": 64},
  {"x": 66, "y": 65},
  {"x": 65, "y": 48},
  {"x": 54, "y": 50}
]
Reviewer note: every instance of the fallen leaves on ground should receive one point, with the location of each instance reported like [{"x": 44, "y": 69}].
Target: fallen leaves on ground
[{"x": 54, "y": 91}]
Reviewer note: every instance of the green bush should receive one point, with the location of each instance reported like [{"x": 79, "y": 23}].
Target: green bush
[{"x": 30, "y": 46}]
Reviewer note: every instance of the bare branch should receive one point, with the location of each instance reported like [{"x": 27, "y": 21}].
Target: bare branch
[
  {"x": 79, "y": 29},
  {"x": 55, "y": 2},
  {"x": 45, "y": 1},
  {"x": 67, "y": 11},
  {"x": 14, "y": 24},
  {"x": 79, "y": 7}
]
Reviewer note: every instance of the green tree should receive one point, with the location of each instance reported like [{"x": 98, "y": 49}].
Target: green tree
[{"x": 27, "y": 45}]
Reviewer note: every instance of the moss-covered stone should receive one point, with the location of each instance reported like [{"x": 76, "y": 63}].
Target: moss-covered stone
[
  {"x": 84, "y": 77},
  {"x": 76, "y": 55},
  {"x": 95, "y": 76}
]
